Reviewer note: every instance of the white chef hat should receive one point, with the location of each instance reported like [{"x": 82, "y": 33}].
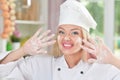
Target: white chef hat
[{"x": 73, "y": 12}]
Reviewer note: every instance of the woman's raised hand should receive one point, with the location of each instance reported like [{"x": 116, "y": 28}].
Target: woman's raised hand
[
  {"x": 97, "y": 51},
  {"x": 38, "y": 42}
]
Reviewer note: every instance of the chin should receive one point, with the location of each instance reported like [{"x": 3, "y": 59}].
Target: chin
[{"x": 69, "y": 52}]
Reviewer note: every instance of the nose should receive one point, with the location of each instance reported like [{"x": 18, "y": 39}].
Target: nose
[{"x": 67, "y": 38}]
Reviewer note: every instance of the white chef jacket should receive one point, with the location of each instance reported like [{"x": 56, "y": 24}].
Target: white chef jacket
[{"x": 45, "y": 67}]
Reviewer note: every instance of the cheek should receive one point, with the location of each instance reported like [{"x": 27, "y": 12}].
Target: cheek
[
  {"x": 78, "y": 41},
  {"x": 77, "y": 44}
]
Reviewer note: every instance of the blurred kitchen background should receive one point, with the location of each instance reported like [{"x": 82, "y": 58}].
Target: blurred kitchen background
[{"x": 20, "y": 19}]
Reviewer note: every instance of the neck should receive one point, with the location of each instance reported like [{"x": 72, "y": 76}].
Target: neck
[{"x": 73, "y": 59}]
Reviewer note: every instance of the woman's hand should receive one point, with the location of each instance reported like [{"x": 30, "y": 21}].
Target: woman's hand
[
  {"x": 98, "y": 51},
  {"x": 37, "y": 43}
]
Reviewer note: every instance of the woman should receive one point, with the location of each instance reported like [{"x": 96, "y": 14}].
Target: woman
[{"x": 69, "y": 59}]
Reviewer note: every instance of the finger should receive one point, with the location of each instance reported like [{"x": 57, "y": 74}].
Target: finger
[
  {"x": 107, "y": 49},
  {"x": 88, "y": 50},
  {"x": 48, "y": 38},
  {"x": 91, "y": 61},
  {"x": 88, "y": 44},
  {"x": 99, "y": 40},
  {"x": 103, "y": 45},
  {"x": 91, "y": 40},
  {"x": 48, "y": 43},
  {"x": 43, "y": 51},
  {"x": 94, "y": 56},
  {"x": 44, "y": 34},
  {"x": 38, "y": 32}
]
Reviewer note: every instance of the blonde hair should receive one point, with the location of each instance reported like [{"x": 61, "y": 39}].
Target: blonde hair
[{"x": 55, "y": 51}]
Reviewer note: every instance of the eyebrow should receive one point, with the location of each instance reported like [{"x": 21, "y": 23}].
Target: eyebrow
[
  {"x": 61, "y": 28},
  {"x": 71, "y": 29}
]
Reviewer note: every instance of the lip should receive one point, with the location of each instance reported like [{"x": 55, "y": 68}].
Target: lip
[{"x": 67, "y": 45}]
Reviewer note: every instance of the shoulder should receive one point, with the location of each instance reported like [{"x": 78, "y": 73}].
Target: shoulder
[
  {"x": 36, "y": 63},
  {"x": 105, "y": 69},
  {"x": 102, "y": 72},
  {"x": 108, "y": 67},
  {"x": 39, "y": 58}
]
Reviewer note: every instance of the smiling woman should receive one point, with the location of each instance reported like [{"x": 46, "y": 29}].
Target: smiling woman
[{"x": 74, "y": 45}]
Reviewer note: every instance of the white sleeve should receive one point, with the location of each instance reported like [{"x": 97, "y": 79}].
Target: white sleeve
[
  {"x": 6, "y": 69},
  {"x": 14, "y": 75},
  {"x": 114, "y": 73},
  {"x": 24, "y": 68},
  {"x": 18, "y": 70},
  {"x": 4, "y": 54},
  {"x": 117, "y": 77}
]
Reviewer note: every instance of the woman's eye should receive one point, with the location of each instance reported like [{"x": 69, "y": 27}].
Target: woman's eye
[
  {"x": 75, "y": 33},
  {"x": 61, "y": 32}
]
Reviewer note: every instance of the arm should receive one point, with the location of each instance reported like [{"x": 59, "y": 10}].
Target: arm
[
  {"x": 12, "y": 56},
  {"x": 115, "y": 61},
  {"x": 101, "y": 51},
  {"x": 33, "y": 46}
]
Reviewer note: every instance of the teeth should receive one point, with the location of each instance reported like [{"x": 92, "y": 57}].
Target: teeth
[{"x": 67, "y": 45}]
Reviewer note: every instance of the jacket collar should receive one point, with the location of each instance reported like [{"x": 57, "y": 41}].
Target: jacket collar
[{"x": 62, "y": 62}]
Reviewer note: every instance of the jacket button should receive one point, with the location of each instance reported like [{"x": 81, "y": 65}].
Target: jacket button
[
  {"x": 81, "y": 72},
  {"x": 59, "y": 69}
]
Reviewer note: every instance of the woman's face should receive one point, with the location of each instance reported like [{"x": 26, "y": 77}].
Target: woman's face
[{"x": 69, "y": 39}]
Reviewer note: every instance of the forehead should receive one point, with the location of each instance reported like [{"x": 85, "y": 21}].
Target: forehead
[{"x": 69, "y": 27}]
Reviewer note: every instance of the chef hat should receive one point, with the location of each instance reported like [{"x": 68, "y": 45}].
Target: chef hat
[{"x": 73, "y": 12}]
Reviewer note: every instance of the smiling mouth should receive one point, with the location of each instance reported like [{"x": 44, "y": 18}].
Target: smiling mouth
[{"x": 67, "y": 46}]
